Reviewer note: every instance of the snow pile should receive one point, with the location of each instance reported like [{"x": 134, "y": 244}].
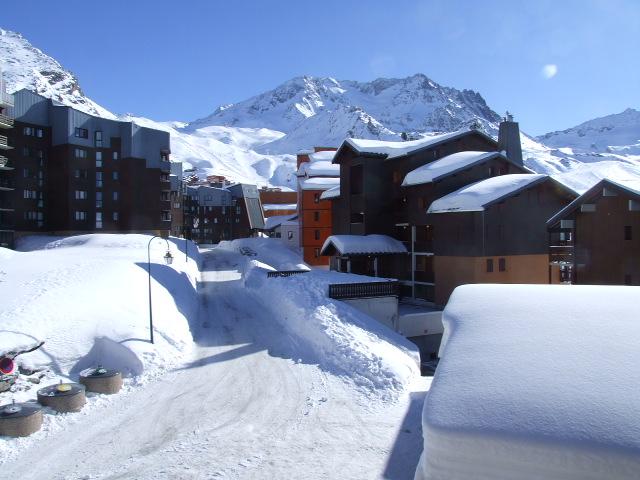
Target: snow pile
[
  {"x": 330, "y": 333},
  {"x": 536, "y": 381},
  {"x": 321, "y": 168},
  {"x": 474, "y": 197},
  {"x": 363, "y": 244},
  {"x": 268, "y": 207},
  {"x": 87, "y": 298},
  {"x": 333, "y": 192},
  {"x": 320, "y": 183},
  {"x": 446, "y": 166}
]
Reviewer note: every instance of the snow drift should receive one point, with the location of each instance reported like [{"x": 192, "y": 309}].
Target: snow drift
[
  {"x": 542, "y": 385},
  {"x": 337, "y": 337}
]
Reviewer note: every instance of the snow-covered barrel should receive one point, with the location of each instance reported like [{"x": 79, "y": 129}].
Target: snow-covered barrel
[
  {"x": 101, "y": 380},
  {"x": 20, "y": 419},
  {"x": 65, "y": 397}
]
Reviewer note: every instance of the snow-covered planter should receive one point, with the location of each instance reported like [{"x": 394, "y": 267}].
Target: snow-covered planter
[
  {"x": 101, "y": 380},
  {"x": 535, "y": 381},
  {"x": 64, "y": 397},
  {"x": 20, "y": 419}
]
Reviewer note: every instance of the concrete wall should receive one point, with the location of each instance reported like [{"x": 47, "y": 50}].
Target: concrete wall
[{"x": 383, "y": 309}]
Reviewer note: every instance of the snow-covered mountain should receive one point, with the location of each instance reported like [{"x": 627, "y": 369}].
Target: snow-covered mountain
[
  {"x": 255, "y": 140},
  {"x": 25, "y": 66},
  {"x": 323, "y": 111}
]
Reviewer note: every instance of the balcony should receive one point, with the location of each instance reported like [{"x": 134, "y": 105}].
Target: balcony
[
  {"x": 165, "y": 216},
  {"x": 5, "y": 185},
  {"x": 5, "y": 98},
  {"x": 5, "y": 121},
  {"x": 4, "y": 143},
  {"x": 4, "y": 161},
  {"x": 6, "y": 207}
]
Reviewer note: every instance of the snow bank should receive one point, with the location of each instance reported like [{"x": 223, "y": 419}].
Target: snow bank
[
  {"x": 474, "y": 197},
  {"x": 87, "y": 297},
  {"x": 536, "y": 381},
  {"x": 337, "y": 337}
]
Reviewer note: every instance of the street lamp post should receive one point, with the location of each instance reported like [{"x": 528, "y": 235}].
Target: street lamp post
[{"x": 168, "y": 258}]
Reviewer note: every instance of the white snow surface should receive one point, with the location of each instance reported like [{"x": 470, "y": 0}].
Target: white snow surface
[
  {"x": 319, "y": 168},
  {"x": 397, "y": 148},
  {"x": 276, "y": 221},
  {"x": 535, "y": 381},
  {"x": 264, "y": 379},
  {"x": 323, "y": 155},
  {"x": 333, "y": 192},
  {"x": 474, "y": 197},
  {"x": 319, "y": 183},
  {"x": 267, "y": 207},
  {"x": 446, "y": 165},
  {"x": 364, "y": 244}
]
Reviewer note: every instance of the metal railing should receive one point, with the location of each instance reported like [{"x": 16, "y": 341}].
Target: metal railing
[
  {"x": 3, "y": 161},
  {"x": 4, "y": 141},
  {"x": 285, "y": 273},
  {"x": 6, "y": 119},
  {"x": 340, "y": 291}
]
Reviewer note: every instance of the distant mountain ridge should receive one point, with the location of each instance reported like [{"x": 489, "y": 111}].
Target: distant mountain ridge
[{"x": 254, "y": 140}]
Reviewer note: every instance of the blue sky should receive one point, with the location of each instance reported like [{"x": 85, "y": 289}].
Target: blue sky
[{"x": 553, "y": 63}]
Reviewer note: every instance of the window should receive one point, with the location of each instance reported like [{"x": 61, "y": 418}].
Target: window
[
  {"x": 115, "y": 216},
  {"x": 316, "y": 198},
  {"x": 290, "y": 235},
  {"x": 317, "y": 252},
  {"x": 26, "y": 152},
  {"x": 114, "y": 155},
  {"x": 81, "y": 194},
  {"x": 27, "y": 173},
  {"x": 489, "y": 265},
  {"x": 164, "y": 196},
  {"x": 98, "y": 159},
  {"x": 98, "y": 219},
  {"x": 357, "y": 217},
  {"x": 80, "y": 216},
  {"x": 97, "y": 136},
  {"x": 628, "y": 233},
  {"x": 80, "y": 153},
  {"x": 30, "y": 194},
  {"x": 99, "y": 179},
  {"x": 115, "y": 196},
  {"x": 316, "y": 216},
  {"x": 237, "y": 220},
  {"x": 39, "y": 133},
  {"x": 502, "y": 265},
  {"x": 30, "y": 215},
  {"x": 207, "y": 198},
  {"x": 28, "y": 131},
  {"x": 80, "y": 173},
  {"x": 316, "y": 234},
  {"x": 238, "y": 210},
  {"x": 81, "y": 133},
  {"x": 224, "y": 210},
  {"x": 114, "y": 175},
  {"x": 98, "y": 199},
  {"x": 164, "y": 156},
  {"x": 176, "y": 205}
]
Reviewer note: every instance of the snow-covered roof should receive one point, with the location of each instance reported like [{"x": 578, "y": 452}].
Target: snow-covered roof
[
  {"x": 631, "y": 186},
  {"x": 447, "y": 165},
  {"x": 279, "y": 206},
  {"x": 319, "y": 183},
  {"x": 361, "y": 245},
  {"x": 325, "y": 155},
  {"x": 321, "y": 168},
  {"x": 397, "y": 149},
  {"x": 331, "y": 193},
  {"x": 536, "y": 381},
  {"x": 273, "y": 222},
  {"x": 474, "y": 197}
]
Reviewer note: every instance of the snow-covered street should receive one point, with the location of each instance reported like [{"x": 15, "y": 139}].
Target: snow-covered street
[{"x": 243, "y": 406}]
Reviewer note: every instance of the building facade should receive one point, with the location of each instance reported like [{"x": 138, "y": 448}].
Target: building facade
[
  {"x": 77, "y": 173},
  {"x": 595, "y": 240},
  {"x": 316, "y": 174},
  {"x": 7, "y": 195}
]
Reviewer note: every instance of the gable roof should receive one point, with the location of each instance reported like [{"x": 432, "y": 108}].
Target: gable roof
[
  {"x": 389, "y": 150},
  {"x": 630, "y": 186},
  {"x": 479, "y": 195},
  {"x": 456, "y": 162}
]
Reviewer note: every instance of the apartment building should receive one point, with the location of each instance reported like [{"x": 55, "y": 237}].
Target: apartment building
[
  {"x": 77, "y": 173},
  {"x": 215, "y": 214},
  {"x": 276, "y": 202},
  {"x": 596, "y": 238},
  {"x": 316, "y": 174},
  {"x": 7, "y": 195}
]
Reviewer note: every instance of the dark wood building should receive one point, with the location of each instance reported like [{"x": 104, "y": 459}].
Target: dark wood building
[
  {"x": 7, "y": 195},
  {"x": 77, "y": 173},
  {"x": 596, "y": 238}
]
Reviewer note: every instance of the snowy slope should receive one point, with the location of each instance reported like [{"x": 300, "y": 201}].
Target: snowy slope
[
  {"x": 25, "y": 66},
  {"x": 253, "y": 140}
]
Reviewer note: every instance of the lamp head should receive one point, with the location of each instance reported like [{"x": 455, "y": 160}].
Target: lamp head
[{"x": 168, "y": 258}]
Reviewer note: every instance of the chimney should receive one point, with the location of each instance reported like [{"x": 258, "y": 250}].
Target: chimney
[{"x": 509, "y": 139}]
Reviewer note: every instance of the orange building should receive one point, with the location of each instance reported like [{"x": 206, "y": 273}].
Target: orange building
[
  {"x": 316, "y": 174},
  {"x": 276, "y": 202}
]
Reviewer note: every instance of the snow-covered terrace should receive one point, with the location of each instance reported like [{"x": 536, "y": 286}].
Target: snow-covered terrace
[
  {"x": 320, "y": 183},
  {"x": 536, "y": 381},
  {"x": 475, "y": 197},
  {"x": 361, "y": 245}
]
